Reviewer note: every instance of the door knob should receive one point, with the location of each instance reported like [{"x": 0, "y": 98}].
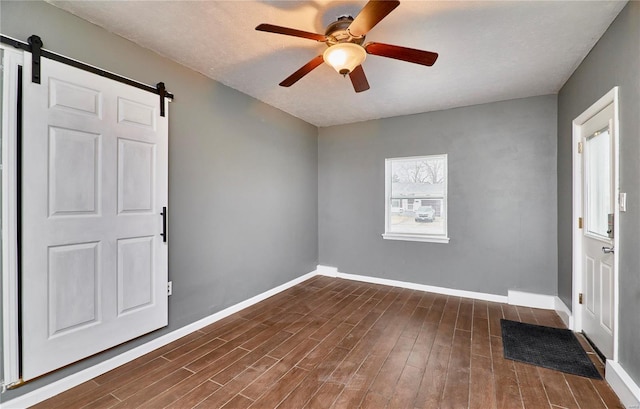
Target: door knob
[{"x": 607, "y": 250}]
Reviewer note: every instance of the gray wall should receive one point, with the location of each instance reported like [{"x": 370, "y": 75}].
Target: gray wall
[
  {"x": 242, "y": 176},
  {"x": 502, "y": 197},
  {"x": 614, "y": 61}
]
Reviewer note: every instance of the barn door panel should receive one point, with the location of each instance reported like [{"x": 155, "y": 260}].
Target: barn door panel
[{"x": 94, "y": 182}]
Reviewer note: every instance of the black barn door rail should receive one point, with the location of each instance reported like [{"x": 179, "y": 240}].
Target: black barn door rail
[{"x": 34, "y": 46}]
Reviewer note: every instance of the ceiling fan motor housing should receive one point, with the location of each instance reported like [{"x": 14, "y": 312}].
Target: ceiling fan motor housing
[{"x": 338, "y": 32}]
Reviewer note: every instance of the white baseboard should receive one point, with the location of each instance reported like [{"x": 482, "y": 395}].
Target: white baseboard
[
  {"x": 622, "y": 384},
  {"x": 327, "y": 271},
  {"x": 546, "y": 302},
  {"x": 532, "y": 300},
  {"x": 564, "y": 313},
  {"x": 77, "y": 378},
  {"x": 333, "y": 272}
]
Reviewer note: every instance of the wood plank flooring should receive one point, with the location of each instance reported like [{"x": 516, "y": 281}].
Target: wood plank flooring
[{"x": 332, "y": 343}]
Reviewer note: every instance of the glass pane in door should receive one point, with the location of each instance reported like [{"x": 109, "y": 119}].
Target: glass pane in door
[{"x": 598, "y": 175}]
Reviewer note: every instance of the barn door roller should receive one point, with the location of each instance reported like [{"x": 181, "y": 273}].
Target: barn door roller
[{"x": 35, "y": 46}]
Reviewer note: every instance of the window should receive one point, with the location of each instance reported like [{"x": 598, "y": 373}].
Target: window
[
  {"x": 598, "y": 174},
  {"x": 416, "y": 199}
]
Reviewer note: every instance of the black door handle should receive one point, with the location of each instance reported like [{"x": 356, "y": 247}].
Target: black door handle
[{"x": 164, "y": 224}]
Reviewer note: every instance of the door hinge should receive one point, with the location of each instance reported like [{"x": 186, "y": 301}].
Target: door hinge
[
  {"x": 579, "y": 222},
  {"x": 580, "y": 298},
  {"x": 580, "y": 147},
  {"x": 170, "y": 288}
]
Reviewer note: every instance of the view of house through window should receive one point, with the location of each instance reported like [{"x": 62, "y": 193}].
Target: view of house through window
[{"x": 416, "y": 198}]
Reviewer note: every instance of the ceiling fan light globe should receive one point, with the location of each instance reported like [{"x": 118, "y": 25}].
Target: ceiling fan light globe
[{"x": 344, "y": 57}]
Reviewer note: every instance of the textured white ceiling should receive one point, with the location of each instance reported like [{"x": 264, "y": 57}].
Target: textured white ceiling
[{"x": 489, "y": 50}]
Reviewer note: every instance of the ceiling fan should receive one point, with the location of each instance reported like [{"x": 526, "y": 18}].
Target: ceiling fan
[{"x": 346, "y": 52}]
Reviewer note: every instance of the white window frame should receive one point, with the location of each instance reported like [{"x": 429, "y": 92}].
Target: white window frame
[{"x": 430, "y": 238}]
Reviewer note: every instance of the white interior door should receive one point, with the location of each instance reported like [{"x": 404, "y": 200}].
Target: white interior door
[
  {"x": 94, "y": 181},
  {"x": 598, "y": 211}
]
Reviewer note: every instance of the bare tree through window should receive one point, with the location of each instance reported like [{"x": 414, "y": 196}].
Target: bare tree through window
[{"x": 419, "y": 171}]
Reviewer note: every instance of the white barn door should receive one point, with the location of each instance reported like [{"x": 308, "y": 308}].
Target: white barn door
[{"x": 94, "y": 182}]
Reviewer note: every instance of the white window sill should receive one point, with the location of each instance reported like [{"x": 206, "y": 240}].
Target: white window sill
[{"x": 415, "y": 237}]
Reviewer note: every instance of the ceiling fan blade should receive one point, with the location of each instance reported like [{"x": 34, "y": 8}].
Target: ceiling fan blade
[
  {"x": 370, "y": 15},
  {"x": 270, "y": 28},
  {"x": 402, "y": 53},
  {"x": 358, "y": 79},
  {"x": 304, "y": 70}
]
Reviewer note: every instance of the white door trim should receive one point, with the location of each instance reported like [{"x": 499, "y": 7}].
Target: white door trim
[
  {"x": 10, "y": 342},
  {"x": 577, "y": 287}
]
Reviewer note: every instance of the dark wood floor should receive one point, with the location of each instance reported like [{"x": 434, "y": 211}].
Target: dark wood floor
[{"x": 331, "y": 343}]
